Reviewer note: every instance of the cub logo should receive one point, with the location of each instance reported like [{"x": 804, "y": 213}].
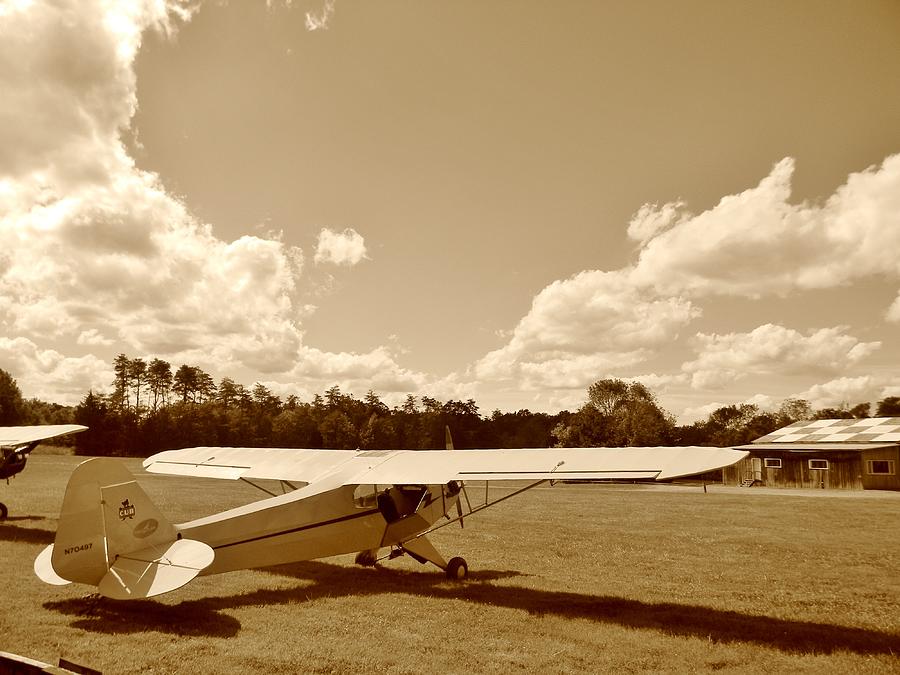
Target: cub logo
[{"x": 126, "y": 510}]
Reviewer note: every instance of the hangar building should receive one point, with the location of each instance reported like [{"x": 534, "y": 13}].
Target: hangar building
[{"x": 855, "y": 454}]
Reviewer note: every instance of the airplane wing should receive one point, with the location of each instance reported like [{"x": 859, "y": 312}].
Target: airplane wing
[
  {"x": 13, "y": 436},
  {"x": 295, "y": 465},
  {"x": 431, "y": 467}
]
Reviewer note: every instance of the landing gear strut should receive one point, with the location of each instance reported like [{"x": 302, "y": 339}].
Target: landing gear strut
[{"x": 421, "y": 549}]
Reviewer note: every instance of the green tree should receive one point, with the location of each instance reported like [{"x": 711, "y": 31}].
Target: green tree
[
  {"x": 11, "y": 403},
  {"x": 184, "y": 382},
  {"x": 888, "y": 407},
  {"x": 206, "y": 386},
  {"x": 296, "y": 428},
  {"x": 608, "y": 396},
  {"x": 104, "y": 427},
  {"x": 374, "y": 404},
  {"x": 586, "y": 428},
  {"x": 861, "y": 411},
  {"x": 793, "y": 410},
  {"x": 337, "y": 431},
  {"x": 137, "y": 372},
  {"x": 631, "y": 413},
  {"x": 159, "y": 381},
  {"x": 227, "y": 393},
  {"x": 266, "y": 402},
  {"x": 122, "y": 370}
]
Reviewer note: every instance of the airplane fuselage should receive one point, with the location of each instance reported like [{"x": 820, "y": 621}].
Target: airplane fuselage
[{"x": 312, "y": 523}]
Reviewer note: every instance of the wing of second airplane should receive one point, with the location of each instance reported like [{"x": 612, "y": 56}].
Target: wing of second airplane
[
  {"x": 13, "y": 436},
  {"x": 386, "y": 467}
]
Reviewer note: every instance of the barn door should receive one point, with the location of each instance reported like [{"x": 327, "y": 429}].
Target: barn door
[{"x": 756, "y": 464}]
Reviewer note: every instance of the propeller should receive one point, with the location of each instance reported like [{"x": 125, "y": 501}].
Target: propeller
[{"x": 448, "y": 442}]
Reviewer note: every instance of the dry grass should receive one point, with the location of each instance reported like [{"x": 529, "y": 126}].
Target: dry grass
[{"x": 569, "y": 579}]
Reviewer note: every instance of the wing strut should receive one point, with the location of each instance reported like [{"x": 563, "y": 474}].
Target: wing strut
[
  {"x": 481, "y": 507},
  {"x": 286, "y": 486}
]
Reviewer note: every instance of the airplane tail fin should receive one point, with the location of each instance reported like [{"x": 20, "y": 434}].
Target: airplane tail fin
[{"x": 112, "y": 536}]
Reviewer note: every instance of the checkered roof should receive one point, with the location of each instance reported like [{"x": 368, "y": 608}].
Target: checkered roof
[{"x": 870, "y": 430}]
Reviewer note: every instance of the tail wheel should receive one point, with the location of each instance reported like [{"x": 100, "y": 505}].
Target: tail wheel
[
  {"x": 457, "y": 569},
  {"x": 3, "y": 511},
  {"x": 366, "y": 558}
]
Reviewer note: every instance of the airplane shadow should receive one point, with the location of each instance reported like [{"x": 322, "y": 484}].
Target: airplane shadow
[
  {"x": 192, "y": 618},
  {"x": 707, "y": 623},
  {"x": 205, "y": 616},
  {"x": 25, "y": 535}
]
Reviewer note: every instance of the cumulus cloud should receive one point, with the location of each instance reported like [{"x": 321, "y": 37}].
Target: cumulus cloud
[
  {"x": 757, "y": 243},
  {"x": 583, "y": 327},
  {"x": 340, "y": 248},
  {"x": 893, "y": 312},
  {"x": 47, "y": 374},
  {"x": 849, "y": 390},
  {"x": 93, "y": 337},
  {"x": 772, "y": 349},
  {"x": 651, "y": 219},
  {"x": 752, "y": 244}
]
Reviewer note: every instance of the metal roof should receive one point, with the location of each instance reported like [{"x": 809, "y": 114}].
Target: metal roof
[
  {"x": 818, "y": 432},
  {"x": 814, "y": 447}
]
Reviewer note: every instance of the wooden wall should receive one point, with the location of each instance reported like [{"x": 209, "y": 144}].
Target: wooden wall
[
  {"x": 844, "y": 470},
  {"x": 881, "y": 482}
]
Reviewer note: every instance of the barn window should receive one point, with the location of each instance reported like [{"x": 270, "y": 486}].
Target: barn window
[
  {"x": 773, "y": 462},
  {"x": 880, "y": 467},
  {"x": 818, "y": 464}
]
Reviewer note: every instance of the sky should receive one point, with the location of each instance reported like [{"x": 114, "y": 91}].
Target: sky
[{"x": 503, "y": 201}]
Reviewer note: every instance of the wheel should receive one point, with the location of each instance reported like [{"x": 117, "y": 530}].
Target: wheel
[
  {"x": 3, "y": 511},
  {"x": 366, "y": 558},
  {"x": 457, "y": 569}
]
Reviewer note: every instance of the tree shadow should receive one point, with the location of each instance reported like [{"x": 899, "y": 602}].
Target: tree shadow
[
  {"x": 25, "y": 535},
  {"x": 205, "y": 617}
]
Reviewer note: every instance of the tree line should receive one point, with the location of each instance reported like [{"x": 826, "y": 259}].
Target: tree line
[{"x": 153, "y": 408}]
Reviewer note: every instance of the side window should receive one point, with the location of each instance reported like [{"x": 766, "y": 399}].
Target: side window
[
  {"x": 773, "y": 462},
  {"x": 880, "y": 467},
  {"x": 364, "y": 496},
  {"x": 818, "y": 464}
]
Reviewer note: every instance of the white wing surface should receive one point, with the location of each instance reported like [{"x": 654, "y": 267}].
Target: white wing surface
[
  {"x": 12, "y": 436},
  {"x": 386, "y": 467}
]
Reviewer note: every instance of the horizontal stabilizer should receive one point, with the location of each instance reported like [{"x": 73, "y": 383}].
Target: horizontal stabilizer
[
  {"x": 43, "y": 568},
  {"x": 155, "y": 570}
]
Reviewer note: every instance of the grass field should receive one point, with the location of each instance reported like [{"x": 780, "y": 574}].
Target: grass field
[{"x": 570, "y": 579}]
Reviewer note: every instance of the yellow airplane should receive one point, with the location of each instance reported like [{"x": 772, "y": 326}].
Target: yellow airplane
[{"x": 112, "y": 536}]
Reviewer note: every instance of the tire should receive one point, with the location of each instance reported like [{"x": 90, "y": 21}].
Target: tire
[
  {"x": 365, "y": 558},
  {"x": 3, "y": 511},
  {"x": 457, "y": 569}
]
